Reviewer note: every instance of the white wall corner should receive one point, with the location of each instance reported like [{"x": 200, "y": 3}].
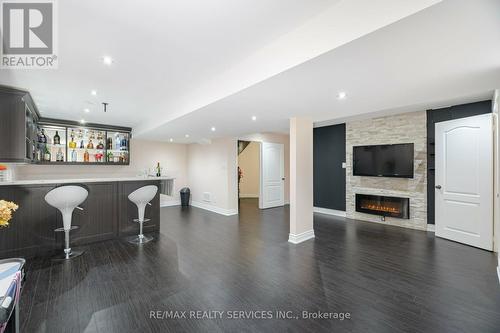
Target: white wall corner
[
  {"x": 431, "y": 227},
  {"x": 214, "y": 209},
  {"x": 327, "y": 211},
  {"x": 498, "y": 270},
  {"x": 302, "y": 237},
  {"x": 496, "y": 210}
]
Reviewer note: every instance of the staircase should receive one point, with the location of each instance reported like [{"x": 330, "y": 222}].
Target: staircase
[{"x": 242, "y": 145}]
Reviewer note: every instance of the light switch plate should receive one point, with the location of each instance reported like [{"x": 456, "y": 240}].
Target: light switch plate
[{"x": 344, "y": 165}]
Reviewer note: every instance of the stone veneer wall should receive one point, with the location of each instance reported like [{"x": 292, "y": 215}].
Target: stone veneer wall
[{"x": 402, "y": 128}]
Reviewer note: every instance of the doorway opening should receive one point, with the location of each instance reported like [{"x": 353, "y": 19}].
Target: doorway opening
[{"x": 248, "y": 172}]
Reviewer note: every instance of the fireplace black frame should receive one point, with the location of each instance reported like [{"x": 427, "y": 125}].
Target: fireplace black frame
[{"x": 404, "y": 211}]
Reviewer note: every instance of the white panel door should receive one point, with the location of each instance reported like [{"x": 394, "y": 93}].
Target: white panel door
[
  {"x": 272, "y": 178},
  {"x": 464, "y": 180}
]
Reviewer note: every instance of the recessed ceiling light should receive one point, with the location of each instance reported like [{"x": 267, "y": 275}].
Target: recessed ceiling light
[
  {"x": 213, "y": 129},
  {"x": 82, "y": 121},
  {"x": 107, "y": 60},
  {"x": 187, "y": 135},
  {"x": 341, "y": 95},
  {"x": 254, "y": 118},
  {"x": 93, "y": 93},
  {"x": 87, "y": 110},
  {"x": 171, "y": 140}
]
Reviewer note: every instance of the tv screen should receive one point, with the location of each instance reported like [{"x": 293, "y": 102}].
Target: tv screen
[{"x": 383, "y": 160}]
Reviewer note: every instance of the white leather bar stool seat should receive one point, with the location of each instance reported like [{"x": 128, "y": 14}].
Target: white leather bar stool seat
[
  {"x": 142, "y": 197},
  {"x": 66, "y": 199}
]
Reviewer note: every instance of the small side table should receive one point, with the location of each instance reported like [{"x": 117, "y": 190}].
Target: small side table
[{"x": 11, "y": 278}]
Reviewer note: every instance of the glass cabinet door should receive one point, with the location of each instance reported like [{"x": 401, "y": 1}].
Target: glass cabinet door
[
  {"x": 117, "y": 147},
  {"x": 86, "y": 145},
  {"x": 51, "y": 144}
]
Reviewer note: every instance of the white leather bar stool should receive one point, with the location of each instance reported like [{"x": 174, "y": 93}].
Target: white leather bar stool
[
  {"x": 142, "y": 197},
  {"x": 66, "y": 199}
]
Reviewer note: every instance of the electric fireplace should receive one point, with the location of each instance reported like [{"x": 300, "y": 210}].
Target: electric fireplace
[{"x": 383, "y": 206}]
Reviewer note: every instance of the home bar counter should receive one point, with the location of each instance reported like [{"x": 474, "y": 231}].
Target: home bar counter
[{"x": 107, "y": 214}]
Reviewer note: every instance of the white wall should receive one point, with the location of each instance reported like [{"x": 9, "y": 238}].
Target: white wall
[
  {"x": 212, "y": 169},
  {"x": 496, "y": 210},
  {"x": 202, "y": 167},
  {"x": 301, "y": 180},
  {"x": 249, "y": 163},
  {"x": 276, "y": 138},
  {"x": 144, "y": 154}
]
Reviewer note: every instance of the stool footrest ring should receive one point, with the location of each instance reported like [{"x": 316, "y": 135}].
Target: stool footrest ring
[
  {"x": 73, "y": 227},
  {"x": 145, "y": 220}
]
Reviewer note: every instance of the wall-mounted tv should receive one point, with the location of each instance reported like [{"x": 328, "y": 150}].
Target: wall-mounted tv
[{"x": 383, "y": 160}]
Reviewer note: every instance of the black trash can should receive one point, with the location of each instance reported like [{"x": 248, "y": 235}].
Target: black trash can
[{"x": 185, "y": 193}]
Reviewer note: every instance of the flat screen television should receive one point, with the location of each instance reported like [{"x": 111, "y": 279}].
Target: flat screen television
[{"x": 383, "y": 160}]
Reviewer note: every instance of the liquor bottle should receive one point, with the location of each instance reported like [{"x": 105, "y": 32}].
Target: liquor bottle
[
  {"x": 39, "y": 153},
  {"x": 82, "y": 145},
  {"x": 86, "y": 156},
  {"x": 72, "y": 133},
  {"x": 158, "y": 170},
  {"x": 109, "y": 143},
  {"x": 57, "y": 139},
  {"x": 43, "y": 137},
  {"x": 39, "y": 135},
  {"x": 59, "y": 156},
  {"x": 73, "y": 156},
  {"x": 100, "y": 145},
  {"x": 118, "y": 142},
  {"x": 46, "y": 155},
  {"x": 110, "y": 156},
  {"x": 90, "y": 145},
  {"x": 123, "y": 145},
  {"x": 72, "y": 143}
]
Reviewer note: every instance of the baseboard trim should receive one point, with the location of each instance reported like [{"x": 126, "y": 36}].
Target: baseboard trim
[
  {"x": 431, "y": 227},
  {"x": 214, "y": 209},
  {"x": 170, "y": 203},
  {"x": 327, "y": 211},
  {"x": 302, "y": 237},
  {"x": 249, "y": 196}
]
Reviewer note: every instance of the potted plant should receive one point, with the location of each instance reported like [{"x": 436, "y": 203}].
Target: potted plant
[{"x": 6, "y": 210}]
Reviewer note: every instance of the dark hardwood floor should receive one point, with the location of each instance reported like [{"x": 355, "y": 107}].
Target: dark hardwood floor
[{"x": 389, "y": 279}]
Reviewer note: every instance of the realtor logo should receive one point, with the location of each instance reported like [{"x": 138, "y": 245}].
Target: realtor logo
[{"x": 28, "y": 34}]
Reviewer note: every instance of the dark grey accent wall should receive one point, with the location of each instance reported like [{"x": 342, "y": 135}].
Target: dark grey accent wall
[
  {"x": 436, "y": 116},
  {"x": 329, "y": 176}
]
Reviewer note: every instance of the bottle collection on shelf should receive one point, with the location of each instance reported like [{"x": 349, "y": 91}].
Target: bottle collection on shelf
[{"x": 115, "y": 153}]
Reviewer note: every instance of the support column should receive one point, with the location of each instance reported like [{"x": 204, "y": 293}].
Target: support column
[{"x": 301, "y": 180}]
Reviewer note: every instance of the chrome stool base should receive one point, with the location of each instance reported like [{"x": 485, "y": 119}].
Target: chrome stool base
[
  {"x": 67, "y": 256},
  {"x": 140, "y": 240},
  {"x": 68, "y": 253}
]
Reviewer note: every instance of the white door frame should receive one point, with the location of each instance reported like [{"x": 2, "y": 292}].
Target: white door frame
[
  {"x": 282, "y": 172},
  {"x": 464, "y": 211}
]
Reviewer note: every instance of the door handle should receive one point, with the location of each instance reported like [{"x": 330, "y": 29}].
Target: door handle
[{"x": 438, "y": 187}]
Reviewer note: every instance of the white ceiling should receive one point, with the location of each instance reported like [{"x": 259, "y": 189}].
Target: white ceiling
[
  {"x": 185, "y": 66},
  {"x": 162, "y": 50},
  {"x": 446, "y": 54},
  {"x": 176, "y": 57}
]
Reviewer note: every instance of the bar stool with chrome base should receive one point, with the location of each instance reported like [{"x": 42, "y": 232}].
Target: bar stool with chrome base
[
  {"x": 142, "y": 197},
  {"x": 66, "y": 199}
]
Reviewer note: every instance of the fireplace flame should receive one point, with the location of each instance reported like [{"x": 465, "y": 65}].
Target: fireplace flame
[{"x": 380, "y": 208}]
